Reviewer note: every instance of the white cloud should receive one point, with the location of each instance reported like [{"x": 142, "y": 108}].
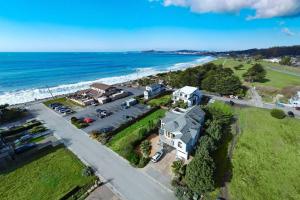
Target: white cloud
[
  {"x": 287, "y": 31},
  {"x": 262, "y": 8}
]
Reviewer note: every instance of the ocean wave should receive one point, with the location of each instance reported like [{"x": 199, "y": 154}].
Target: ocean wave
[{"x": 23, "y": 96}]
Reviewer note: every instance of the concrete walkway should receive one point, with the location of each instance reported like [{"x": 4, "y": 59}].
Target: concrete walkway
[{"x": 129, "y": 183}]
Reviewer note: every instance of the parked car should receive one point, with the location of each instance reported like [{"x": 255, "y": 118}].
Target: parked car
[
  {"x": 231, "y": 103},
  {"x": 25, "y": 147},
  {"x": 291, "y": 114},
  {"x": 95, "y": 103},
  {"x": 88, "y": 120},
  {"x": 54, "y": 105},
  {"x": 157, "y": 156},
  {"x": 106, "y": 129},
  {"x": 68, "y": 112}
]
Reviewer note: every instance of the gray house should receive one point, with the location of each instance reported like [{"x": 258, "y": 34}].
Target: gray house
[
  {"x": 153, "y": 90},
  {"x": 181, "y": 128}
]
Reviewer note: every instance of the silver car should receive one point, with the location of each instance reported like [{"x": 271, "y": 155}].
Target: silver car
[{"x": 157, "y": 156}]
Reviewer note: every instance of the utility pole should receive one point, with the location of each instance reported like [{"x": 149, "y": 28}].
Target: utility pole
[{"x": 50, "y": 91}]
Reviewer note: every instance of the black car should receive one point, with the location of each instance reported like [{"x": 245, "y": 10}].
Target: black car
[
  {"x": 231, "y": 103},
  {"x": 54, "y": 105},
  {"x": 291, "y": 114},
  {"x": 25, "y": 147},
  {"x": 107, "y": 129}
]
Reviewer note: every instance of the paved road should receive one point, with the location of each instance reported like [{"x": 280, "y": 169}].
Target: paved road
[
  {"x": 254, "y": 104},
  {"x": 130, "y": 183}
]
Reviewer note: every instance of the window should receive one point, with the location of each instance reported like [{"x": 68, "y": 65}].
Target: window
[{"x": 179, "y": 144}]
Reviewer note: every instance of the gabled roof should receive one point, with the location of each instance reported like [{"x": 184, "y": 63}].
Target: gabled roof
[{"x": 187, "y": 122}]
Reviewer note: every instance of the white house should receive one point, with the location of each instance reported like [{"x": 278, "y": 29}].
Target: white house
[
  {"x": 153, "y": 90},
  {"x": 295, "y": 101},
  {"x": 190, "y": 95},
  {"x": 181, "y": 128}
]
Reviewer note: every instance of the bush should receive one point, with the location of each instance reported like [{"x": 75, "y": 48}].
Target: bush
[
  {"x": 145, "y": 148},
  {"x": 87, "y": 171},
  {"x": 134, "y": 159},
  {"x": 79, "y": 123},
  {"x": 277, "y": 113},
  {"x": 143, "y": 162},
  {"x": 37, "y": 129}
]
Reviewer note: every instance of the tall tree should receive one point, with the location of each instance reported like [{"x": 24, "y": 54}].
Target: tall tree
[
  {"x": 286, "y": 60},
  {"x": 255, "y": 73},
  {"x": 223, "y": 82},
  {"x": 200, "y": 173}
]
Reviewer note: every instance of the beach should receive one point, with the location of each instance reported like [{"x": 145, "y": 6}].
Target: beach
[{"x": 80, "y": 77}]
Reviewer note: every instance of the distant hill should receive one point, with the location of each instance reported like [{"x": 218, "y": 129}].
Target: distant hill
[{"x": 268, "y": 52}]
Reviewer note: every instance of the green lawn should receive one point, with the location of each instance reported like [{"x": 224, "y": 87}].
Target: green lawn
[
  {"x": 266, "y": 159},
  {"x": 64, "y": 101},
  {"x": 274, "y": 78},
  {"x": 48, "y": 177},
  {"x": 161, "y": 101},
  {"x": 123, "y": 142}
]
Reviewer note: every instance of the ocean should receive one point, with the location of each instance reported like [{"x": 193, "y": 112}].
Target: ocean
[{"x": 26, "y": 77}]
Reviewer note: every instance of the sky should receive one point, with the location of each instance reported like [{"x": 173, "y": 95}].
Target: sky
[{"x": 130, "y": 25}]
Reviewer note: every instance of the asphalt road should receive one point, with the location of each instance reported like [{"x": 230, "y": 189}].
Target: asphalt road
[
  {"x": 128, "y": 182},
  {"x": 254, "y": 103}
]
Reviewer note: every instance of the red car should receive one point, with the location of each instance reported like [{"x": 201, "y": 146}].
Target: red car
[{"x": 88, "y": 120}]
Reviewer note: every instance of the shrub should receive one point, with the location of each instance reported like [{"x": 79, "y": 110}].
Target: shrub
[
  {"x": 178, "y": 168},
  {"x": 134, "y": 159},
  {"x": 87, "y": 171},
  {"x": 94, "y": 134},
  {"x": 37, "y": 129},
  {"x": 277, "y": 113},
  {"x": 143, "y": 162},
  {"x": 145, "y": 148}
]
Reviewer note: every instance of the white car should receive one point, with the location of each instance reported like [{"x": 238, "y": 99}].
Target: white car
[{"x": 157, "y": 156}]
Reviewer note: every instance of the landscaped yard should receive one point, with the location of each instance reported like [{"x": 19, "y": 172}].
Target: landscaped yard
[
  {"x": 274, "y": 78},
  {"x": 160, "y": 101},
  {"x": 48, "y": 177},
  {"x": 124, "y": 142},
  {"x": 62, "y": 100},
  {"x": 266, "y": 159}
]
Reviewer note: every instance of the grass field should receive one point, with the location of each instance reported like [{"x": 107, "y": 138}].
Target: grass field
[
  {"x": 274, "y": 78},
  {"x": 48, "y": 177},
  {"x": 266, "y": 159},
  {"x": 64, "y": 101},
  {"x": 161, "y": 101},
  {"x": 123, "y": 142}
]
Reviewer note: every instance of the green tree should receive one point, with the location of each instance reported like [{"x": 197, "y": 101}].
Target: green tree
[
  {"x": 200, "y": 173},
  {"x": 255, "y": 73},
  {"x": 222, "y": 81},
  {"x": 178, "y": 168},
  {"x": 286, "y": 60},
  {"x": 214, "y": 130},
  {"x": 206, "y": 143}
]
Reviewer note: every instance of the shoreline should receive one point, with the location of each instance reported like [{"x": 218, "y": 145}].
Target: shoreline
[{"x": 130, "y": 77}]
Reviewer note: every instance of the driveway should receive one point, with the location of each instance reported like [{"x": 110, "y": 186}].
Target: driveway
[
  {"x": 122, "y": 178},
  {"x": 160, "y": 171}
]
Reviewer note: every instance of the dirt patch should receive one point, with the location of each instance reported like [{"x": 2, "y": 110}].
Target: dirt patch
[{"x": 154, "y": 140}]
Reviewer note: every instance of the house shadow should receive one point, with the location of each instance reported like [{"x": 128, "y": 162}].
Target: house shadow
[{"x": 222, "y": 157}]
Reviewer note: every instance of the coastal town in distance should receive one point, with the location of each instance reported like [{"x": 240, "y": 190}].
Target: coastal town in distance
[{"x": 150, "y": 99}]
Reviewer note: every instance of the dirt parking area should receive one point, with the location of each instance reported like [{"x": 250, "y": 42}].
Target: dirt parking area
[{"x": 160, "y": 171}]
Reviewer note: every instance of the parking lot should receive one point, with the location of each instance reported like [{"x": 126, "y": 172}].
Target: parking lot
[{"x": 118, "y": 115}]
